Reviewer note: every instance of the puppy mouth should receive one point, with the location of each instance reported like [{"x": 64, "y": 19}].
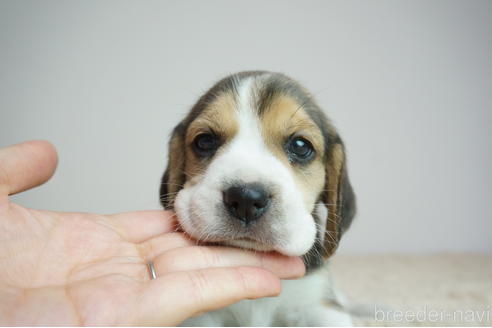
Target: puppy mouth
[
  {"x": 215, "y": 227},
  {"x": 247, "y": 243},
  {"x": 247, "y": 239},
  {"x": 239, "y": 239},
  {"x": 251, "y": 244}
]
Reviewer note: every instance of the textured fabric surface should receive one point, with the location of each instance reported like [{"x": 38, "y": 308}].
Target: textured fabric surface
[{"x": 412, "y": 290}]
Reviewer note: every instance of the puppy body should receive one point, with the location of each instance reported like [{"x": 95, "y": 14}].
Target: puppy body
[{"x": 256, "y": 164}]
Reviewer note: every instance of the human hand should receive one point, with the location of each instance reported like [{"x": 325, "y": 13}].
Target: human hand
[{"x": 88, "y": 269}]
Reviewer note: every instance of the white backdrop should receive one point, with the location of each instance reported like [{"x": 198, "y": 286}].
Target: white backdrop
[{"x": 408, "y": 83}]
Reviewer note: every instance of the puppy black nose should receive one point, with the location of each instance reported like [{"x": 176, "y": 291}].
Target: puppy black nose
[{"x": 247, "y": 202}]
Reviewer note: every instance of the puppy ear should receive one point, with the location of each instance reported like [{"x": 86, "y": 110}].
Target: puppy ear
[
  {"x": 174, "y": 177},
  {"x": 338, "y": 197}
]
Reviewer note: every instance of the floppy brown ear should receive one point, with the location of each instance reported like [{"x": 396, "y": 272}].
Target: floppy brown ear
[
  {"x": 338, "y": 197},
  {"x": 174, "y": 177}
]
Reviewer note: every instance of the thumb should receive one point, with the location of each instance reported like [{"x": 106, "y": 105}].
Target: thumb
[{"x": 26, "y": 165}]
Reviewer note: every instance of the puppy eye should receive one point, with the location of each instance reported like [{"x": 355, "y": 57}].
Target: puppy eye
[
  {"x": 300, "y": 149},
  {"x": 206, "y": 144}
]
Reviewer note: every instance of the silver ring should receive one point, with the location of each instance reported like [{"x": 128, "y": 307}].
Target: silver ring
[{"x": 151, "y": 267}]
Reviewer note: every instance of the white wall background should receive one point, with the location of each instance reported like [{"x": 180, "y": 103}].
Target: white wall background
[{"x": 408, "y": 83}]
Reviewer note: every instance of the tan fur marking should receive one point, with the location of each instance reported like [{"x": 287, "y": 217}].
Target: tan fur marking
[
  {"x": 285, "y": 117},
  {"x": 334, "y": 170},
  {"x": 176, "y": 161},
  {"x": 219, "y": 117}
]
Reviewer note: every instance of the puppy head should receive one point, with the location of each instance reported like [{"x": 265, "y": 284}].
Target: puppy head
[{"x": 256, "y": 164}]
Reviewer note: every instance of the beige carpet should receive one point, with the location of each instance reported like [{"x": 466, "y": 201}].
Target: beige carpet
[{"x": 407, "y": 290}]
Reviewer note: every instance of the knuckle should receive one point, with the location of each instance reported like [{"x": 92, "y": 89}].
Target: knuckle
[
  {"x": 209, "y": 255},
  {"x": 242, "y": 281},
  {"x": 199, "y": 283},
  {"x": 166, "y": 263}
]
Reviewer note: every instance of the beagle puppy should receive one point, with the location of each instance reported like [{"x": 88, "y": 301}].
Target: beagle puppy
[{"x": 256, "y": 164}]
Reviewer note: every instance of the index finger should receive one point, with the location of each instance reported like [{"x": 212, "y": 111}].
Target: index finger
[{"x": 140, "y": 226}]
